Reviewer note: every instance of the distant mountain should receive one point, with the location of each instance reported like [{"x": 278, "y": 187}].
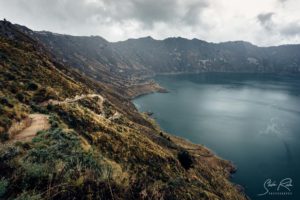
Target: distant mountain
[
  {"x": 179, "y": 55},
  {"x": 134, "y": 59},
  {"x": 81, "y": 137}
]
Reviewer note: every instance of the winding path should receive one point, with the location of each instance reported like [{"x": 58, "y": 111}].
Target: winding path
[
  {"x": 71, "y": 100},
  {"x": 38, "y": 123}
]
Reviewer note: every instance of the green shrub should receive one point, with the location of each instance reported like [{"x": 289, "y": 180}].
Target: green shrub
[
  {"x": 3, "y": 186},
  {"x": 20, "y": 97},
  {"x": 39, "y": 109},
  {"x": 185, "y": 159},
  {"x": 33, "y": 174},
  {"x": 53, "y": 120},
  {"x": 53, "y": 157},
  {"x": 14, "y": 88},
  {"x": 4, "y": 137},
  {"x": 44, "y": 94},
  {"x": 32, "y": 86},
  {"x": 8, "y": 153},
  {"x": 4, "y": 101},
  {"x": 5, "y": 122},
  {"x": 29, "y": 196},
  {"x": 10, "y": 77},
  {"x": 58, "y": 146},
  {"x": 50, "y": 107}
]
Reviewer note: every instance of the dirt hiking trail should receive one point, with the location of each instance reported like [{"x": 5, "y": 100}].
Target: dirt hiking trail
[{"x": 38, "y": 123}]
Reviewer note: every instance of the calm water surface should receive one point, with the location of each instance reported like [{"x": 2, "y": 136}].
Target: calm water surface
[{"x": 250, "y": 119}]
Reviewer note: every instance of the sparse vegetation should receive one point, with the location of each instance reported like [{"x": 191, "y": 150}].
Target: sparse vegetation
[
  {"x": 44, "y": 94},
  {"x": 54, "y": 157}
]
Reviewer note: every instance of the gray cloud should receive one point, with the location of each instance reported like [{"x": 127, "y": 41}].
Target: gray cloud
[
  {"x": 194, "y": 10},
  {"x": 265, "y": 19},
  {"x": 291, "y": 30},
  {"x": 283, "y": 1},
  {"x": 212, "y": 20},
  {"x": 147, "y": 13},
  {"x": 150, "y": 12},
  {"x": 54, "y": 11}
]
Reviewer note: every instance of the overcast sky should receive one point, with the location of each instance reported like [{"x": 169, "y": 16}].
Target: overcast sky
[{"x": 262, "y": 22}]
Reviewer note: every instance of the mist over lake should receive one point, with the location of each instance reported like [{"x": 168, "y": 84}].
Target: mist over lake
[{"x": 251, "y": 119}]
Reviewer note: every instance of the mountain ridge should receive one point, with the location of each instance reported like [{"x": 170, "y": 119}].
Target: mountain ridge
[
  {"x": 138, "y": 59},
  {"x": 191, "y": 39}
]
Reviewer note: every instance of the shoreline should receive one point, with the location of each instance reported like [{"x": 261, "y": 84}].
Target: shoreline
[
  {"x": 151, "y": 86},
  {"x": 218, "y": 72},
  {"x": 199, "y": 151},
  {"x": 145, "y": 88}
]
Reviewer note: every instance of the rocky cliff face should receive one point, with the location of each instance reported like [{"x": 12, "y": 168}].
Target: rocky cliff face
[{"x": 95, "y": 144}]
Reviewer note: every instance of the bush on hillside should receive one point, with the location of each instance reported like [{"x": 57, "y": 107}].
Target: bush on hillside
[
  {"x": 20, "y": 97},
  {"x": 29, "y": 196},
  {"x": 5, "y": 102},
  {"x": 4, "y": 136},
  {"x": 3, "y": 186},
  {"x": 32, "y": 86},
  {"x": 54, "y": 159},
  {"x": 185, "y": 159}
]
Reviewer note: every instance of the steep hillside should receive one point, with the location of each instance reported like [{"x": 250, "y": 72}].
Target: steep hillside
[
  {"x": 95, "y": 58},
  {"x": 90, "y": 142}
]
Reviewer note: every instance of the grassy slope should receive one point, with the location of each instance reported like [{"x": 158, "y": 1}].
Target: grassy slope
[{"x": 87, "y": 154}]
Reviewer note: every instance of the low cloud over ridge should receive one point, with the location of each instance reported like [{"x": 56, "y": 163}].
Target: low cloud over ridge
[{"x": 268, "y": 22}]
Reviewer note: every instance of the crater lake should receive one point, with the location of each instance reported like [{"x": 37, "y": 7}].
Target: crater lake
[{"x": 251, "y": 119}]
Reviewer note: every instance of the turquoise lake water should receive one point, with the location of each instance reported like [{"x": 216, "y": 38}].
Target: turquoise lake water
[{"x": 251, "y": 119}]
